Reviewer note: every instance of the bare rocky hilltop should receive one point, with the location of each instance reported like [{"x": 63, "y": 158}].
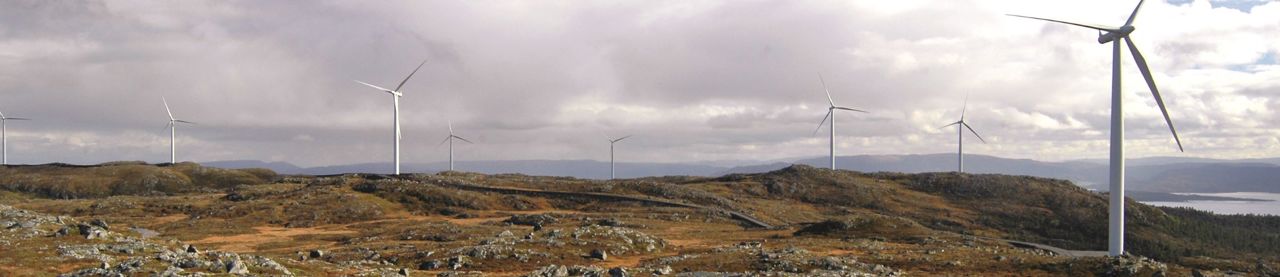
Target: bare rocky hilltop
[{"x": 132, "y": 219}]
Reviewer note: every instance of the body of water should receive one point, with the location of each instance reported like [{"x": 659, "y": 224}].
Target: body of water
[{"x": 1271, "y": 207}]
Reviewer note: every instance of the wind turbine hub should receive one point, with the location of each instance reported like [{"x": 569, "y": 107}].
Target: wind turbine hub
[{"x": 1104, "y": 38}]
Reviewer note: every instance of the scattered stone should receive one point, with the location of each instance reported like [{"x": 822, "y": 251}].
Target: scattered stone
[
  {"x": 550, "y": 271},
  {"x": 171, "y": 272},
  {"x": 618, "y": 272},
  {"x": 192, "y": 249},
  {"x": 89, "y": 231},
  {"x": 457, "y": 262},
  {"x": 664, "y": 270},
  {"x": 1127, "y": 265},
  {"x": 599, "y": 254},
  {"x": 267, "y": 263},
  {"x": 404, "y": 272},
  {"x": 100, "y": 223},
  {"x": 237, "y": 267},
  {"x": 317, "y": 253},
  {"x": 430, "y": 265},
  {"x": 592, "y": 270},
  {"x": 535, "y": 220},
  {"x": 235, "y": 196},
  {"x": 192, "y": 263},
  {"x": 506, "y": 234},
  {"x": 611, "y": 222}
]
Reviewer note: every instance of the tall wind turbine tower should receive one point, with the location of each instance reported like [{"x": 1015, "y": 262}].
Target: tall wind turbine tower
[
  {"x": 831, "y": 114},
  {"x": 611, "y": 168},
  {"x": 450, "y": 139},
  {"x": 173, "y": 132},
  {"x": 4, "y": 138},
  {"x": 395, "y": 120},
  {"x": 961, "y": 125},
  {"x": 1113, "y": 35}
]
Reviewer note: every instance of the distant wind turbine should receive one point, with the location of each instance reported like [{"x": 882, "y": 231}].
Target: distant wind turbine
[
  {"x": 1115, "y": 238},
  {"x": 831, "y": 114},
  {"x": 4, "y": 138},
  {"x": 611, "y": 143},
  {"x": 173, "y": 127},
  {"x": 450, "y": 139},
  {"x": 395, "y": 121},
  {"x": 960, "y": 126}
]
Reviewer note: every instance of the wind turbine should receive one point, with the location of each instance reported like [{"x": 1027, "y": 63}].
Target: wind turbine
[
  {"x": 831, "y": 114},
  {"x": 395, "y": 98},
  {"x": 450, "y": 139},
  {"x": 173, "y": 127},
  {"x": 960, "y": 126},
  {"x": 611, "y": 143},
  {"x": 4, "y": 138},
  {"x": 1115, "y": 234}
]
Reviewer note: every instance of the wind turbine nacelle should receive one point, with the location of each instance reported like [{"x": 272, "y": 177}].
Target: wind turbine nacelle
[{"x": 1114, "y": 35}]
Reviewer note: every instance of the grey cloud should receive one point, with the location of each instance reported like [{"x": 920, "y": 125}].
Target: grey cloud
[{"x": 258, "y": 74}]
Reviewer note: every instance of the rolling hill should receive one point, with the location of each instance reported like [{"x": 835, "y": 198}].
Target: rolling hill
[{"x": 1159, "y": 174}]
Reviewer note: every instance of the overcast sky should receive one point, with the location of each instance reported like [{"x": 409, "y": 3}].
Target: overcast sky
[{"x": 692, "y": 80}]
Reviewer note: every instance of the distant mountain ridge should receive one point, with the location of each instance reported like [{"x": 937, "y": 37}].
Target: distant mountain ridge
[
  {"x": 587, "y": 169},
  {"x": 1156, "y": 174}
]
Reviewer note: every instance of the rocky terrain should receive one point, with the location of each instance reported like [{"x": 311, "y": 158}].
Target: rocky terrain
[{"x": 799, "y": 221}]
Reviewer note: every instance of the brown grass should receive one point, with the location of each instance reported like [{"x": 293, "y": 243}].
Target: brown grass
[{"x": 248, "y": 243}]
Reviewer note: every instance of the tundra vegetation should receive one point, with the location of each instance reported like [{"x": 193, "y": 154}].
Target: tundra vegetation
[{"x": 140, "y": 219}]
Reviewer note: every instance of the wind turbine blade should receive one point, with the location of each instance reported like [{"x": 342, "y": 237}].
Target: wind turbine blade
[
  {"x": 849, "y": 109},
  {"x": 1090, "y": 26},
  {"x": 16, "y": 118},
  {"x": 406, "y": 79},
  {"x": 949, "y": 125},
  {"x": 975, "y": 133},
  {"x": 965, "y": 107},
  {"x": 621, "y": 138},
  {"x": 1134, "y": 14},
  {"x": 457, "y": 137},
  {"x": 820, "y": 123},
  {"x": 450, "y": 128},
  {"x": 446, "y": 139},
  {"x": 373, "y": 86},
  {"x": 166, "y": 108},
  {"x": 184, "y": 121},
  {"x": 828, "y": 91},
  {"x": 1151, "y": 83}
]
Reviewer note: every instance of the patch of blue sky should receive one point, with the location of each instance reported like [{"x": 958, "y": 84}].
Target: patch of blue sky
[
  {"x": 1266, "y": 59},
  {"x": 1241, "y": 5}
]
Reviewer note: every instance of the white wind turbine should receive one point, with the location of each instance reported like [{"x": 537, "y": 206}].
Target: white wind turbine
[
  {"x": 450, "y": 139},
  {"x": 4, "y": 138},
  {"x": 395, "y": 97},
  {"x": 1115, "y": 234},
  {"x": 831, "y": 110},
  {"x": 960, "y": 126},
  {"x": 611, "y": 143},
  {"x": 173, "y": 127}
]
